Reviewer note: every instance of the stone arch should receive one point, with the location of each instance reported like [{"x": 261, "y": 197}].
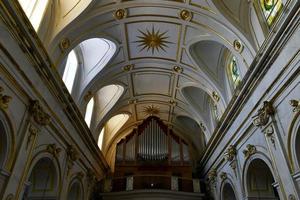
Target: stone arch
[
  {"x": 259, "y": 179},
  {"x": 294, "y": 143},
  {"x": 75, "y": 191},
  {"x": 7, "y": 141},
  {"x": 44, "y": 178},
  {"x": 227, "y": 191}
]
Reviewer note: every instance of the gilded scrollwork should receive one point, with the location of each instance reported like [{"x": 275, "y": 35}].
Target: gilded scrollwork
[
  {"x": 249, "y": 151},
  {"x": 38, "y": 113},
  {"x": 52, "y": 149},
  {"x": 295, "y": 104},
  {"x": 230, "y": 153},
  {"x": 263, "y": 114},
  {"x": 4, "y": 100},
  {"x": 212, "y": 176},
  {"x": 223, "y": 176}
]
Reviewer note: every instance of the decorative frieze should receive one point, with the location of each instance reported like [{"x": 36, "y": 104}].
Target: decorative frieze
[
  {"x": 249, "y": 151},
  {"x": 38, "y": 113},
  {"x": 51, "y": 148},
  {"x": 263, "y": 114},
  {"x": 4, "y": 100}
]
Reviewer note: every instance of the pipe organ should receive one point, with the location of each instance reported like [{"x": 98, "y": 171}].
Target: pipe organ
[{"x": 152, "y": 141}]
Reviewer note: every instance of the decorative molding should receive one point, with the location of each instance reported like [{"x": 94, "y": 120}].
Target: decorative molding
[
  {"x": 238, "y": 46},
  {"x": 151, "y": 110},
  {"x": 38, "y": 113},
  {"x": 72, "y": 156},
  {"x": 172, "y": 102},
  {"x": 51, "y": 148},
  {"x": 120, "y": 14},
  {"x": 295, "y": 104},
  {"x": 33, "y": 131},
  {"x": 4, "y": 100},
  {"x": 263, "y": 114},
  {"x": 212, "y": 176},
  {"x": 223, "y": 176},
  {"x": 249, "y": 151},
  {"x": 185, "y": 15},
  {"x": 202, "y": 127},
  {"x": 91, "y": 177},
  {"x": 269, "y": 132},
  {"x": 230, "y": 153},
  {"x": 178, "y": 69},
  {"x": 64, "y": 44},
  {"x": 128, "y": 68},
  {"x": 80, "y": 175},
  {"x": 215, "y": 96}
]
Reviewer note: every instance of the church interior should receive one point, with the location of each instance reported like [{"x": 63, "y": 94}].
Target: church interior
[{"x": 152, "y": 100}]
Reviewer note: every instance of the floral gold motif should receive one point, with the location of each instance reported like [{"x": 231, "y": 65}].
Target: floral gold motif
[
  {"x": 39, "y": 115},
  {"x": 249, "y": 151},
  {"x": 185, "y": 15},
  {"x": 120, "y": 14},
  {"x": 263, "y": 114},
  {"x": 237, "y": 44}
]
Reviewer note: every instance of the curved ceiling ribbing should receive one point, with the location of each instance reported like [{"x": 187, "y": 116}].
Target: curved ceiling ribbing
[{"x": 153, "y": 74}]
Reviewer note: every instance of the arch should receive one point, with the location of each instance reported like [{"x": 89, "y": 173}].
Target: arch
[
  {"x": 89, "y": 112},
  {"x": 34, "y": 10},
  {"x": 75, "y": 191},
  {"x": 202, "y": 103},
  {"x": 92, "y": 55},
  {"x": 228, "y": 192},
  {"x": 294, "y": 143},
  {"x": 70, "y": 70},
  {"x": 111, "y": 128},
  {"x": 7, "y": 141},
  {"x": 43, "y": 180},
  {"x": 259, "y": 180},
  {"x": 105, "y": 99}
]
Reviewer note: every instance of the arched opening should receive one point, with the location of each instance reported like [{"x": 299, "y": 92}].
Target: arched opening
[
  {"x": 34, "y": 10},
  {"x": 111, "y": 128},
  {"x": 260, "y": 181},
  {"x": 233, "y": 71},
  {"x": 270, "y": 10},
  {"x": 70, "y": 70},
  {"x": 228, "y": 192},
  {"x": 85, "y": 62},
  {"x": 42, "y": 182},
  {"x": 89, "y": 112},
  {"x": 75, "y": 191},
  {"x": 105, "y": 99}
]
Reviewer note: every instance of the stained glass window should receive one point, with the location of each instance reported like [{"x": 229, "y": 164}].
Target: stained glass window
[
  {"x": 234, "y": 72},
  {"x": 215, "y": 112},
  {"x": 271, "y": 9}
]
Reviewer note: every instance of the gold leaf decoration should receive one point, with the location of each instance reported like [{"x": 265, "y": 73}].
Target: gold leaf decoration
[{"x": 153, "y": 40}]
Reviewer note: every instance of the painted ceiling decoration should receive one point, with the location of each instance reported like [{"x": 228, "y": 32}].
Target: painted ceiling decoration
[
  {"x": 172, "y": 58},
  {"x": 153, "y": 40}
]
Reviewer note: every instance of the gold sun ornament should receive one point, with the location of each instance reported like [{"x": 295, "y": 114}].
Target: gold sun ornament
[
  {"x": 151, "y": 110},
  {"x": 154, "y": 40}
]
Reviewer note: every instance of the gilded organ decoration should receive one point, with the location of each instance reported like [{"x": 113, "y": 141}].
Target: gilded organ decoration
[{"x": 153, "y": 40}]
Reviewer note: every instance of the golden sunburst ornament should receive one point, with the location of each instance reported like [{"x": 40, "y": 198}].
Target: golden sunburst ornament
[
  {"x": 154, "y": 40},
  {"x": 151, "y": 110}
]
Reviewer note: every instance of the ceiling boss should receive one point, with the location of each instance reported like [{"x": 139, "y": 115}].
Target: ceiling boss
[{"x": 153, "y": 40}]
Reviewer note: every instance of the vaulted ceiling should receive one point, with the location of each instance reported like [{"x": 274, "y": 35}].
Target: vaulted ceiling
[{"x": 170, "y": 57}]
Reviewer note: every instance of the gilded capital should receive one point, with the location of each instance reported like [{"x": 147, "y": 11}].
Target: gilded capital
[
  {"x": 230, "y": 153},
  {"x": 249, "y": 151},
  {"x": 4, "y": 100}
]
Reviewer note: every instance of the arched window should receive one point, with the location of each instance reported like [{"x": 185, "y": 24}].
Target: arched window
[
  {"x": 70, "y": 70},
  {"x": 35, "y": 10},
  {"x": 234, "y": 72},
  {"x": 271, "y": 9},
  {"x": 89, "y": 112},
  {"x": 215, "y": 112},
  {"x": 100, "y": 139}
]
